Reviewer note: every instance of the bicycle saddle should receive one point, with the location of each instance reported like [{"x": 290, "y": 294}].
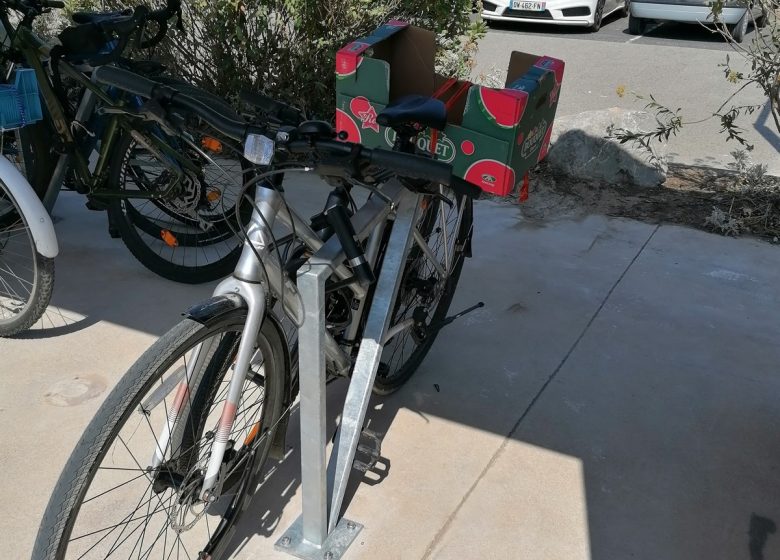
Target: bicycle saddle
[
  {"x": 101, "y": 17},
  {"x": 414, "y": 109}
]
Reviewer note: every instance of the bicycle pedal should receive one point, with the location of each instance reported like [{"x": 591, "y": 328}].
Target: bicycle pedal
[{"x": 370, "y": 449}]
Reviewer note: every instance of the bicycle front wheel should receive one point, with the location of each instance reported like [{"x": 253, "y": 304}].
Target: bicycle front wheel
[
  {"x": 26, "y": 276},
  {"x": 109, "y": 502}
]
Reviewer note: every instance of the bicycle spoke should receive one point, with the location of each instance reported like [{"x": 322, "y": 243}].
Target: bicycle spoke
[{"x": 115, "y": 487}]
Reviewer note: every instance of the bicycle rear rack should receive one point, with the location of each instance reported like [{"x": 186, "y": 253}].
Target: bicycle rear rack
[{"x": 319, "y": 533}]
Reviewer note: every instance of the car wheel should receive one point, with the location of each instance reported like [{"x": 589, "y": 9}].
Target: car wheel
[
  {"x": 598, "y": 15},
  {"x": 626, "y": 11},
  {"x": 739, "y": 29},
  {"x": 761, "y": 19},
  {"x": 636, "y": 26}
]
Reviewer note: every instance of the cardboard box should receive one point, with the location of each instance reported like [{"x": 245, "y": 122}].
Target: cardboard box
[{"x": 493, "y": 136}]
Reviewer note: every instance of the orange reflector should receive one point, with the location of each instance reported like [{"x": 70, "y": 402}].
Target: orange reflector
[
  {"x": 169, "y": 238},
  {"x": 211, "y": 144},
  {"x": 252, "y": 434},
  {"x": 524, "y": 189},
  {"x": 213, "y": 195}
]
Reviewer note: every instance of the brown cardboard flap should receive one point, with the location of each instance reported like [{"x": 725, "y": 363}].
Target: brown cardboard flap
[
  {"x": 519, "y": 63},
  {"x": 412, "y": 62},
  {"x": 455, "y": 110}
]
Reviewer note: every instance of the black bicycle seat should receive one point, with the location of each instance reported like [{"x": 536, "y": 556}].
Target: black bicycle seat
[
  {"x": 414, "y": 109},
  {"x": 101, "y": 17}
]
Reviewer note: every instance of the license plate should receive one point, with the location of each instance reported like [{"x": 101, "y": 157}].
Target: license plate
[{"x": 528, "y": 6}]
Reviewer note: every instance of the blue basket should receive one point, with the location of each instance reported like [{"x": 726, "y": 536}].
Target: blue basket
[{"x": 20, "y": 103}]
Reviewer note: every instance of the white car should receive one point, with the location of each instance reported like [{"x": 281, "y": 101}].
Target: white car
[
  {"x": 735, "y": 15},
  {"x": 584, "y": 13}
]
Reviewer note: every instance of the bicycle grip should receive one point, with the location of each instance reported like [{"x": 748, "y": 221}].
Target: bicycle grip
[
  {"x": 413, "y": 166},
  {"x": 418, "y": 167},
  {"x": 126, "y": 81}
]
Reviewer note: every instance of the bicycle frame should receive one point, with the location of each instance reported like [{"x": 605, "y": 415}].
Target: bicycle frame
[
  {"x": 252, "y": 279},
  {"x": 252, "y": 282}
]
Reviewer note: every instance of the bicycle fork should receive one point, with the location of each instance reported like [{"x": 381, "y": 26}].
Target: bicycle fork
[{"x": 248, "y": 283}]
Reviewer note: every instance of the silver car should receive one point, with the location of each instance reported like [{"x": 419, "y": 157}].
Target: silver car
[{"x": 735, "y": 15}]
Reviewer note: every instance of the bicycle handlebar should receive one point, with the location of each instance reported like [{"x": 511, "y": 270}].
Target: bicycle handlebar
[
  {"x": 127, "y": 81},
  {"x": 412, "y": 166},
  {"x": 33, "y": 6},
  {"x": 139, "y": 17},
  {"x": 161, "y": 16},
  {"x": 149, "y": 89}
]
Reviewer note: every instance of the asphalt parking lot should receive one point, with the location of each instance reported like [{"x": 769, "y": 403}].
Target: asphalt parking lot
[{"x": 677, "y": 63}]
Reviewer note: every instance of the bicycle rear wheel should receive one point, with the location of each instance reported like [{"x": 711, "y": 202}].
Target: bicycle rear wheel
[
  {"x": 189, "y": 235},
  {"x": 109, "y": 502},
  {"x": 26, "y": 276},
  {"x": 426, "y": 289}
]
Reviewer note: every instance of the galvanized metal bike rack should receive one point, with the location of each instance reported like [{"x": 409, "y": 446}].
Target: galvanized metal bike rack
[{"x": 319, "y": 533}]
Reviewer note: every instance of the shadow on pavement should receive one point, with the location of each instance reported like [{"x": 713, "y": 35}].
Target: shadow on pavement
[
  {"x": 663, "y": 392},
  {"x": 674, "y": 440}
]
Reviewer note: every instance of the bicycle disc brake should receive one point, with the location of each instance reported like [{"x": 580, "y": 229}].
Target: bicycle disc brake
[{"x": 188, "y": 201}]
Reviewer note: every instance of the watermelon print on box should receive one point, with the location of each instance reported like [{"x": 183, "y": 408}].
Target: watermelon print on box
[{"x": 493, "y": 136}]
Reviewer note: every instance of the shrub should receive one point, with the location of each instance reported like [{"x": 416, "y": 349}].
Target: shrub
[
  {"x": 755, "y": 64},
  {"x": 287, "y": 48}
]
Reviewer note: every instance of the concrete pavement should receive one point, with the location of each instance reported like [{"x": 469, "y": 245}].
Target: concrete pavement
[
  {"x": 678, "y": 64},
  {"x": 616, "y": 398}
]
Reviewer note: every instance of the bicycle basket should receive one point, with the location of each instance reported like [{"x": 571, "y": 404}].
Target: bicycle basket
[{"x": 19, "y": 103}]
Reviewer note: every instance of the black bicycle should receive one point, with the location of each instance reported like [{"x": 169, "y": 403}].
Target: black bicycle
[{"x": 170, "y": 198}]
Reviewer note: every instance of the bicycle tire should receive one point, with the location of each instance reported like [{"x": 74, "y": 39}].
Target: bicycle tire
[
  {"x": 67, "y": 504},
  {"x": 17, "y": 253},
  {"x": 388, "y": 381},
  {"x": 219, "y": 246}
]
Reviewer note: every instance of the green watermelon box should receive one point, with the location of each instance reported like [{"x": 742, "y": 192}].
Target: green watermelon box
[{"x": 493, "y": 136}]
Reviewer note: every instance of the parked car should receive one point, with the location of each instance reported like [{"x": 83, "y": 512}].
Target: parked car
[
  {"x": 585, "y": 13},
  {"x": 735, "y": 15}
]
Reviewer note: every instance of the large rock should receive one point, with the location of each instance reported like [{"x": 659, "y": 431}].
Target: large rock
[{"x": 579, "y": 148}]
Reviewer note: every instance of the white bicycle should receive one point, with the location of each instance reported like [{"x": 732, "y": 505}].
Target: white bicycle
[{"x": 28, "y": 246}]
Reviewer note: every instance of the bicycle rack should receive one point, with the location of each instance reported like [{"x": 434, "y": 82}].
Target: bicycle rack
[{"x": 319, "y": 533}]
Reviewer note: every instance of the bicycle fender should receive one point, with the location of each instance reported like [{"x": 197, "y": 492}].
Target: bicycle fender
[
  {"x": 33, "y": 211},
  {"x": 212, "y": 310}
]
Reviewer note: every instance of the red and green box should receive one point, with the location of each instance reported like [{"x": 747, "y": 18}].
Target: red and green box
[{"x": 492, "y": 137}]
